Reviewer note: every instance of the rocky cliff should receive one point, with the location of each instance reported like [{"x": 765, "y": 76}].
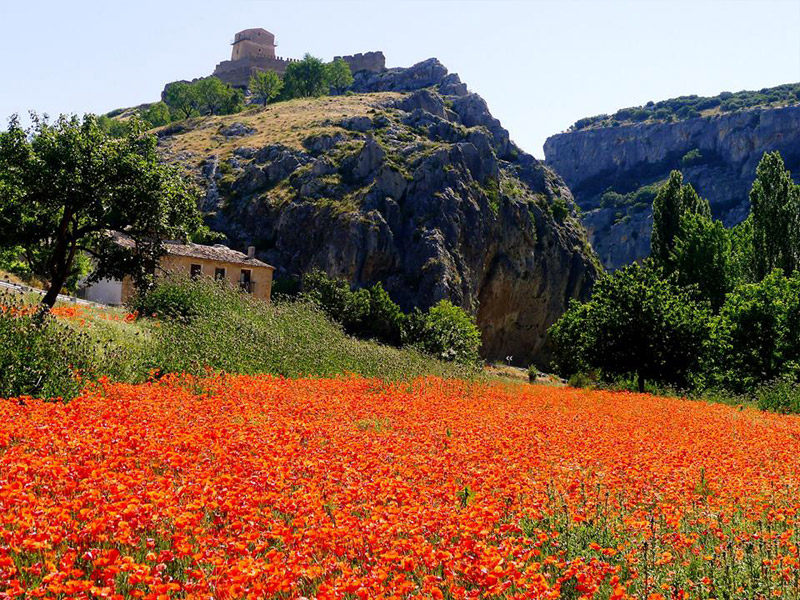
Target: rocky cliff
[
  {"x": 611, "y": 170},
  {"x": 410, "y": 182}
]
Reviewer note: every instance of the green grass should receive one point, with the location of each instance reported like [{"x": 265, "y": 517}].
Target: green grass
[{"x": 225, "y": 330}]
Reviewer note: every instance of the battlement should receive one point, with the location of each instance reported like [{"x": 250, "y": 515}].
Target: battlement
[{"x": 253, "y": 50}]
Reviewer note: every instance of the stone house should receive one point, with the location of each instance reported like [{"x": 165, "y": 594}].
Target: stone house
[{"x": 192, "y": 260}]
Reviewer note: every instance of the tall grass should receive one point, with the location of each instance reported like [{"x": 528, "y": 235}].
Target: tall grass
[
  {"x": 192, "y": 327},
  {"x": 213, "y": 325}
]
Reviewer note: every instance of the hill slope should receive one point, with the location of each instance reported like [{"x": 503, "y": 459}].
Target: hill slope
[
  {"x": 411, "y": 182},
  {"x": 612, "y": 170}
]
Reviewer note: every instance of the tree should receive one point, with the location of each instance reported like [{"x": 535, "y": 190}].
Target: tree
[
  {"x": 702, "y": 258},
  {"x": 636, "y": 324},
  {"x": 742, "y": 260},
  {"x": 265, "y": 85},
  {"x": 339, "y": 75},
  {"x": 217, "y": 98},
  {"x": 66, "y": 187},
  {"x": 306, "y": 78},
  {"x": 156, "y": 115},
  {"x": 775, "y": 209},
  {"x": 672, "y": 201},
  {"x": 182, "y": 97}
]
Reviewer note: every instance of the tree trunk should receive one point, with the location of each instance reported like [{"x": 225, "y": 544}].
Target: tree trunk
[
  {"x": 56, "y": 283},
  {"x": 59, "y": 273}
]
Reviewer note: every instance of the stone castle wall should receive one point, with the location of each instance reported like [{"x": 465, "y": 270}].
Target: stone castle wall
[
  {"x": 238, "y": 72},
  {"x": 374, "y": 62}
]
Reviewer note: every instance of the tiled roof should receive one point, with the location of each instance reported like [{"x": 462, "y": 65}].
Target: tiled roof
[{"x": 218, "y": 252}]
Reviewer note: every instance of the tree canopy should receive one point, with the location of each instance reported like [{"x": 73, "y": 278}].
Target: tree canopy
[
  {"x": 673, "y": 200},
  {"x": 265, "y": 86},
  {"x": 207, "y": 96},
  {"x": 775, "y": 209},
  {"x": 65, "y": 186},
  {"x": 636, "y": 324},
  {"x": 306, "y": 78},
  {"x": 339, "y": 75}
]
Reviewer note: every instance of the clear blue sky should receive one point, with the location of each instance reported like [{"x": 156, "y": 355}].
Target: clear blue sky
[{"x": 541, "y": 65}]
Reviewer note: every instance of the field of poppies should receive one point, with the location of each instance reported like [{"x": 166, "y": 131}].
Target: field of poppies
[{"x": 265, "y": 487}]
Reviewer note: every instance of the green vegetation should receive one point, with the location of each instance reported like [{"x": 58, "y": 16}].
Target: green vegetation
[
  {"x": 39, "y": 355},
  {"x": 207, "y": 96},
  {"x": 339, "y": 76},
  {"x": 306, "y": 78},
  {"x": 672, "y": 201},
  {"x": 642, "y": 196},
  {"x": 714, "y": 311},
  {"x": 64, "y": 186},
  {"x": 310, "y": 77},
  {"x": 637, "y": 323},
  {"x": 775, "y": 209},
  {"x": 194, "y": 326},
  {"x": 687, "y": 107},
  {"x": 444, "y": 330},
  {"x": 265, "y": 86}
]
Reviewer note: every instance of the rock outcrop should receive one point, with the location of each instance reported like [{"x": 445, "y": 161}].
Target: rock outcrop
[
  {"x": 424, "y": 192},
  {"x": 717, "y": 154}
]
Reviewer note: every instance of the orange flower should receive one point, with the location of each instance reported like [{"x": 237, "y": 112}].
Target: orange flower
[{"x": 334, "y": 488}]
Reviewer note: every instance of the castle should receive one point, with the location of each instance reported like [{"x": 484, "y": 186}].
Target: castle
[{"x": 254, "y": 50}]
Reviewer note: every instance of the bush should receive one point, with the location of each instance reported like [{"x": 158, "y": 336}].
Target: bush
[
  {"x": 692, "y": 157},
  {"x": 39, "y": 355},
  {"x": 445, "y": 331},
  {"x": 781, "y": 396},
  {"x": 754, "y": 338},
  {"x": 560, "y": 209},
  {"x": 179, "y": 301}
]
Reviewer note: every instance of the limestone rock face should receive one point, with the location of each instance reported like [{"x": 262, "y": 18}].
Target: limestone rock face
[
  {"x": 725, "y": 151},
  {"x": 424, "y": 193}
]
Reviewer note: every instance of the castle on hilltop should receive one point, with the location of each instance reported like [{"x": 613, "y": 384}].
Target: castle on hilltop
[{"x": 254, "y": 50}]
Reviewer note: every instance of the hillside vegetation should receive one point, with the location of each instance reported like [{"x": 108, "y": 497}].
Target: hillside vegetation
[{"x": 689, "y": 107}]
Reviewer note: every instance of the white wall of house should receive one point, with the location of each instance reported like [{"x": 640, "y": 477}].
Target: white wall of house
[{"x": 105, "y": 291}]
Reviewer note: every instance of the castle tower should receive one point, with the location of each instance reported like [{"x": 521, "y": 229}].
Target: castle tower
[{"x": 253, "y": 43}]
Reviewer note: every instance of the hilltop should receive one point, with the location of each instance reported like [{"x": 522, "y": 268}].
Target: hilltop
[
  {"x": 613, "y": 168},
  {"x": 689, "y": 107},
  {"x": 407, "y": 180}
]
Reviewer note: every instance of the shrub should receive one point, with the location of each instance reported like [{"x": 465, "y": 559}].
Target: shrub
[
  {"x": 560, "y": 209},
  {"x": 39, "y": 355},
  {"x": 781, "y": 396},
  {"x": 754, "y": 338},
  {"x": 445, "y": 331},
  {"x": 178, "y": 301},
  {"x": 692, "y": 157}
]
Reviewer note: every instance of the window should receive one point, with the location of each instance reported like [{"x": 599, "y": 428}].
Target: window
[
  {"x": 195, "y": 271},
  {"x": 245, "y": 280},
  {"x": 219, "y": 273}
]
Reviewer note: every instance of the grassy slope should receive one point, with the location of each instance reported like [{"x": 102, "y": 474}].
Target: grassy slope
[
  {"x": 285, "y": 338},
  {"x": 287, "y": 123}
]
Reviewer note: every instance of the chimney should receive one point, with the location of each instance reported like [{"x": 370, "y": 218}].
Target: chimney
[{"x": 251, "y": 252}]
